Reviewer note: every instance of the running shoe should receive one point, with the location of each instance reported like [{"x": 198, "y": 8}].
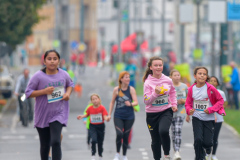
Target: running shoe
[
  {"x": 100, "y": 158},
  {"x": 177, "y": 156},
  {"x": 167, "y": 157},
  {"x": 208, "y": 157},
  {"x": 117, "y": 157},
  {"x": 93, "y": 158},
  {"x": 214, "y": 158},
  {"x": 124, "y": 158}
]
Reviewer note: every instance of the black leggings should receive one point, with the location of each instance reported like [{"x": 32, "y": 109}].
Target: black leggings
[
  {"x": 123, "y": 128},
  {"x": 50, "y": 136},
  {"x": 158, "y": 126},
  {"x": 217, "y": 128},
  {"x": 97, "y": 133},
  {"x": 203, "y": 137}
]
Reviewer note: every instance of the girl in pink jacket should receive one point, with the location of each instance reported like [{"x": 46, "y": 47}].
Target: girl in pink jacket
[
  {"x": 161, "y": 101},
  {"x": 202, "y": 101}
]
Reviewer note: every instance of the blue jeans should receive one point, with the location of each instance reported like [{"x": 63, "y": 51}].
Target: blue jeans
[{"x": 235, "y": 97}]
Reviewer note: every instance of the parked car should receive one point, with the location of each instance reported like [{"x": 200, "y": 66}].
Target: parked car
[{"x": 6, "y": 82}]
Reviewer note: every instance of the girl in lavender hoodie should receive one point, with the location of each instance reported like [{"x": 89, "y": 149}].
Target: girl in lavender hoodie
[
  {"x": 161, "y": 101},
  {"x": 52, "y": 87},
  {"x": 202, "y": 101}
]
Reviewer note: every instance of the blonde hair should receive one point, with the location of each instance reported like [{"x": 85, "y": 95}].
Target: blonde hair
[
  {"x": 172, "y": 71},
  {"x": 149, "y": 64},
  {"x": 121, "y": 75},
  {"x": 94, "y": 94}
]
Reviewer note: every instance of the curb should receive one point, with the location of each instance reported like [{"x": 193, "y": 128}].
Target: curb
[{"x": 234, "y": 131}]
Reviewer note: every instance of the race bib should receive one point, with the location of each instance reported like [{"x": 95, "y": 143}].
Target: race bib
[
  {"x": 56, "y": 95},
  {"x": 96, "y": 118},
  {"x": 200, "y": 105},
  {"x": 161, "y": 101},
  {"x": 181, "y": 95}
]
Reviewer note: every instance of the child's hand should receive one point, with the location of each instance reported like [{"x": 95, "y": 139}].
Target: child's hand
[
  {"x": 66, "y": 97},
  {"x": 192, "y": 111},
  {"x": 109, "y": 118},
  {"x": 188, "y": 118},
  {"x": 157, "y": 89},
  {"x": 84, "y": 122},
  {"x": 49, "y": 90},
  {"x": 206, "y": 111},
  {"x": 79, "y": 117},
  {"x": 174, "y": 108}
]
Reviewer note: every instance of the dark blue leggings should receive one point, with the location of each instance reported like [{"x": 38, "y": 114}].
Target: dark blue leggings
[{"x": 50, "y": 136}]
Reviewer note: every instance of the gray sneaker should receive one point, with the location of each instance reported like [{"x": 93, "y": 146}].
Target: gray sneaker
[{"x": 167, "y": 157}]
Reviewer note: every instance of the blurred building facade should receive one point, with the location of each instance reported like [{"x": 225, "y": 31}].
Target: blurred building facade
[
  {"x": 137, "y": 16},
  {"x": 60, "y": 26}
]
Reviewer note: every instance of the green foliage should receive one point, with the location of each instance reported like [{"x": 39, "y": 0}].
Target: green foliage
[
  {"x": 233, "y": 118},
  {"x": 17, "y": 18}
]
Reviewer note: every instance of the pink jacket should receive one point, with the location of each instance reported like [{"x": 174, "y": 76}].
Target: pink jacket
[
  {"x": 214, "y": 96},
  {"x": 150, "y": 95}
]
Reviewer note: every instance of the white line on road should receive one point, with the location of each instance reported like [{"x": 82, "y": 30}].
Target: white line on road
[
  {"x": 144, "y": 153},
  {"x": 76, "y": 136},
  {"x": 188, "y": 145},
  {"x": 13, "y": 137},
  {"x": 141, "y": 149}
]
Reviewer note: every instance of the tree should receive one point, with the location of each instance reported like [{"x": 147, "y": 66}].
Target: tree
[{"x": 17, "y": 18}]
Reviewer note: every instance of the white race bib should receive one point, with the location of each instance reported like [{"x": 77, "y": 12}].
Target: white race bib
[
  {"x": 161, "y": 101},
  {"x": 56, "y": 95},
  {"x": 181, "y": 95},
  {"x": 200, "y": 105},
  {"x": 96, "y": 118}
]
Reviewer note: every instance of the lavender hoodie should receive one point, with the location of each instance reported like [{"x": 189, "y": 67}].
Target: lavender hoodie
[
  {"x": 150, "y": 96},
  {"x": 45, "y": 112}
]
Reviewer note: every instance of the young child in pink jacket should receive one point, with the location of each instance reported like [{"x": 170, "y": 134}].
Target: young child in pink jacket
[
  {"x": 161, "y": 101},
  {"x": 202, "y": 101}
]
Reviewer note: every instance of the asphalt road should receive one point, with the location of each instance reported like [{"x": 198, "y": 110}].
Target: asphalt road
[{"x": 22, "y": 143}]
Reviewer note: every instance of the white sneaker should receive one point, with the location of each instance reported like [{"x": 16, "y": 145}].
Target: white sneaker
[
  {"x": 124, "y": 158},
  {"x": 117, "y": 156},
  {"x": 93, "y": 158},
  {"x": 167, "y": 157},
  {"x": 214, "y": 158},
  {"x": 177, "y": 156},
  {"x": 208, "y": 157},
  {"x": 100, "y": 158}
]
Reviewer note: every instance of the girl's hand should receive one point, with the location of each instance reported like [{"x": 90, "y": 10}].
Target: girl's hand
[
  {"x": 192, "y": 111},
  {"x": 157, "y": 89},
  {"x": 109, "y": 118},
  {"x": 180, "y": 101},
  {"x": 174, "y": 108},
  {"x": 206, "y": 111},
  {"x": 49, "y": 90},
  {"x": 188, "y": 118},
  {"x": 79, "y": 117},
  {"x": 127, "y": 103},
  {"x": 66, "y": 97}
]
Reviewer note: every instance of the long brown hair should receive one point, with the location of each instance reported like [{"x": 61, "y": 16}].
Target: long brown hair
[
  {"x": 201, "y": 67},
  {"x": 149, "y": 64},
  {"x": 121, "y": 75}
]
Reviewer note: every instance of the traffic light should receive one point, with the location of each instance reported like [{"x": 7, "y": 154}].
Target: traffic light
[{"x": 115, "y": 3}]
